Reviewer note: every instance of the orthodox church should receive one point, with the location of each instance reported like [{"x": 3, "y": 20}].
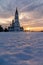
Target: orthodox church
[{"x": 15, "y": 26}]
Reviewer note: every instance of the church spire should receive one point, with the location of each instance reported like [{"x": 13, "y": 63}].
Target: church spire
[
  {"x": 17, "y": 24},
  {"x": 16, "y": 11}
]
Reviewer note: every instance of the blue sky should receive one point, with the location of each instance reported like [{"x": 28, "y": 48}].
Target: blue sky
[{"x": 30, "y": 11}]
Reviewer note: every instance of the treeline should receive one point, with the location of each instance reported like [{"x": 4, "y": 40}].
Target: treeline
[{"x": 3, "y": 30}]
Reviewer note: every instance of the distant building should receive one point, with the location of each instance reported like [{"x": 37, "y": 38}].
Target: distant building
[{"x": 15, "y": 26}]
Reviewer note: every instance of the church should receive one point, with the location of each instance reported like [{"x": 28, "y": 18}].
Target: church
[{"x": 15, "y": 26}]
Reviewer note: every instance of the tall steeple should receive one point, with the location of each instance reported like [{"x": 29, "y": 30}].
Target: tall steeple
[
  {"x": 16, "y": 16},
  {"x": 16, "y": 12},
  {"x": 16, "y": 24}
]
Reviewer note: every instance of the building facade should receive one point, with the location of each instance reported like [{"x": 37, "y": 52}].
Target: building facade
[{"x": 15, "y": 26}]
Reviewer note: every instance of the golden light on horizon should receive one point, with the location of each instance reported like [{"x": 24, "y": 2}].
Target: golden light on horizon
[
  {"x": 27, "y": 28},
  {"x": 36, "y": 29},
  {"x": 33, "y": 28}
]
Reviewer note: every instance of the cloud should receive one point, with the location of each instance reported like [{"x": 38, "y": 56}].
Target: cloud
[{"x": 33, "y": 10}]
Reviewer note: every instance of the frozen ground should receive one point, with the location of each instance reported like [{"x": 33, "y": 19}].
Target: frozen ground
[{"x": 21, "y": 48}]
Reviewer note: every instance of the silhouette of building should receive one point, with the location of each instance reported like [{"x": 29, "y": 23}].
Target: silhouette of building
[{"x": 15, "y": 26}]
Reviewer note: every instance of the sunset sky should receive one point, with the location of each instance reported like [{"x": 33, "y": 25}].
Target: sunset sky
[{"x": 30, "y": 13}]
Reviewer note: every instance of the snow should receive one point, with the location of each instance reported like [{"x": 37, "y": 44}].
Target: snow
[{"x": 21, "y": 48}]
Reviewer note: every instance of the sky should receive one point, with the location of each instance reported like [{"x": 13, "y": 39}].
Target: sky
[{"x": 30, "y": 13}]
